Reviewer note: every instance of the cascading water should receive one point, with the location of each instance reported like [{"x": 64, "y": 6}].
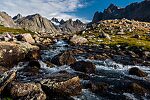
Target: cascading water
[{"x": 106, "y": 71}]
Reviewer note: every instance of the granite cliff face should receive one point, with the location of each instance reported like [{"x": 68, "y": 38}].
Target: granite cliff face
[
  {"x": 136, "y": 11},
  {"x": 6, "y": 20},
  {"x": 36, "y": 23}
]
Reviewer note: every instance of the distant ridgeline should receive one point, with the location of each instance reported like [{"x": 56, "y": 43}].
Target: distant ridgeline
[{"x": 137, "y": 11}]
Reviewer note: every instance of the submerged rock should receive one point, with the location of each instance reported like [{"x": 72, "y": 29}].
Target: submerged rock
[
  {"x": 63, "y": 59},
  {"x": 27, "y": 91},
  {"x": 136, "y": 88},
  {"x": 83, "y": 66},
  {"x": 5, "y": 79},
  {"x": 136, "y": 71},
  {"x": 13, "y": 52},
  {"x": 99, "y": 87}
]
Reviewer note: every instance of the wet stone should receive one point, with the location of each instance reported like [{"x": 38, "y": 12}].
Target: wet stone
[
  {"x": 136, "y": 88},
  {"x": 136, "y": 71},
  {"x": 61, "y": 84},
  {"x": 99, "y": 87},
  {"x": 84, "y": 66},
  {"x": 63, "y": 59}
]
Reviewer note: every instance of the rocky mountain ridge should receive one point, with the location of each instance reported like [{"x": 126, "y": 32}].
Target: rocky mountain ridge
[
  {"x": 6, "y": 20},
  {"x": 136, "y": 11},
  {"x": 36, "y": 23},
  {"x": 68, "y": 26}
]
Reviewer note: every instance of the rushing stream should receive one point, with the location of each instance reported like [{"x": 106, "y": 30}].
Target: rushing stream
[{"x": 106, "y": 71}]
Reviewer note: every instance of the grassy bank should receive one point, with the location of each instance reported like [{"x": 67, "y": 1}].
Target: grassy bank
[{"x": 13, "y": 30}]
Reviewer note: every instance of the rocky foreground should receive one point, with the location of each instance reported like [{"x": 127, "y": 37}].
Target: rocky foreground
[
  {"x": 43, "y": 59},
  {"x": 32, "y": 81}
]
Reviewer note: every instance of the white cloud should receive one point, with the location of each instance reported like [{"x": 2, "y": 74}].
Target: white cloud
[{"x": 47, "y": 8}]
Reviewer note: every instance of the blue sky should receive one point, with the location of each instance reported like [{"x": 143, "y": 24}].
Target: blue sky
[
  {"x": 61, "y": 9},
  {"x": 100, "y": 5}
]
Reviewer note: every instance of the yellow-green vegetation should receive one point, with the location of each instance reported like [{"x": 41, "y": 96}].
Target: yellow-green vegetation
[
  {"x": 134, "y": 33},
  {"x": 13, "y": 30},
  {"x": 120, "y": 40}
]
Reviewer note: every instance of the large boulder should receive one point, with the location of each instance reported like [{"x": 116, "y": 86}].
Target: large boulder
[
  {"x": 78, "y": 40},
  {"x": 83, "y": 66},
  {"x": 25, "y": 37},
  {"x": 61, "y": 84},
  {"x": 28, "y": 91},
  {"x": 136, "y": 71},
  {"x": 13, "y": 52},
  {"x": 63, "y": 59}
]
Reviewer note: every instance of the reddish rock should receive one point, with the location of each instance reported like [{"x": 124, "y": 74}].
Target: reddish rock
[{"x": 63, "y": 59}]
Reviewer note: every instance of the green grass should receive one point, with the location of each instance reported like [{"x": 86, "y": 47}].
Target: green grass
[
  {"x": 14, "y": 31},
  {"x": 140, "y": 43},
  {"x": 127, "y": 38}
]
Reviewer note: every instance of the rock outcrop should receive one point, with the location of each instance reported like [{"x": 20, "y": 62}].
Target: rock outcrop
[
  {"x": 6, "y": 20},
  {"x": 36, "y": 23},
  {"x": 136, "y": 11}
]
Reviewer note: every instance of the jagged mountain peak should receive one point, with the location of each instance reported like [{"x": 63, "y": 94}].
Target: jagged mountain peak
[
  {"x": 18, "y": 16},
  {"x": 113, "y": 6},
  {"x": 37, "y": 23},
  {"x": 55, "y": 20},
  {"x": 137, "y": 11}
]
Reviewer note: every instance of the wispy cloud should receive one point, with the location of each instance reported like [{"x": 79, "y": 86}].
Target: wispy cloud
[{"x": 47, "y": 8}]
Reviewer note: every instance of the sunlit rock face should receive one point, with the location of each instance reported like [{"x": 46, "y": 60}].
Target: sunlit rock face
[{"x": 6, "y": 20}]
